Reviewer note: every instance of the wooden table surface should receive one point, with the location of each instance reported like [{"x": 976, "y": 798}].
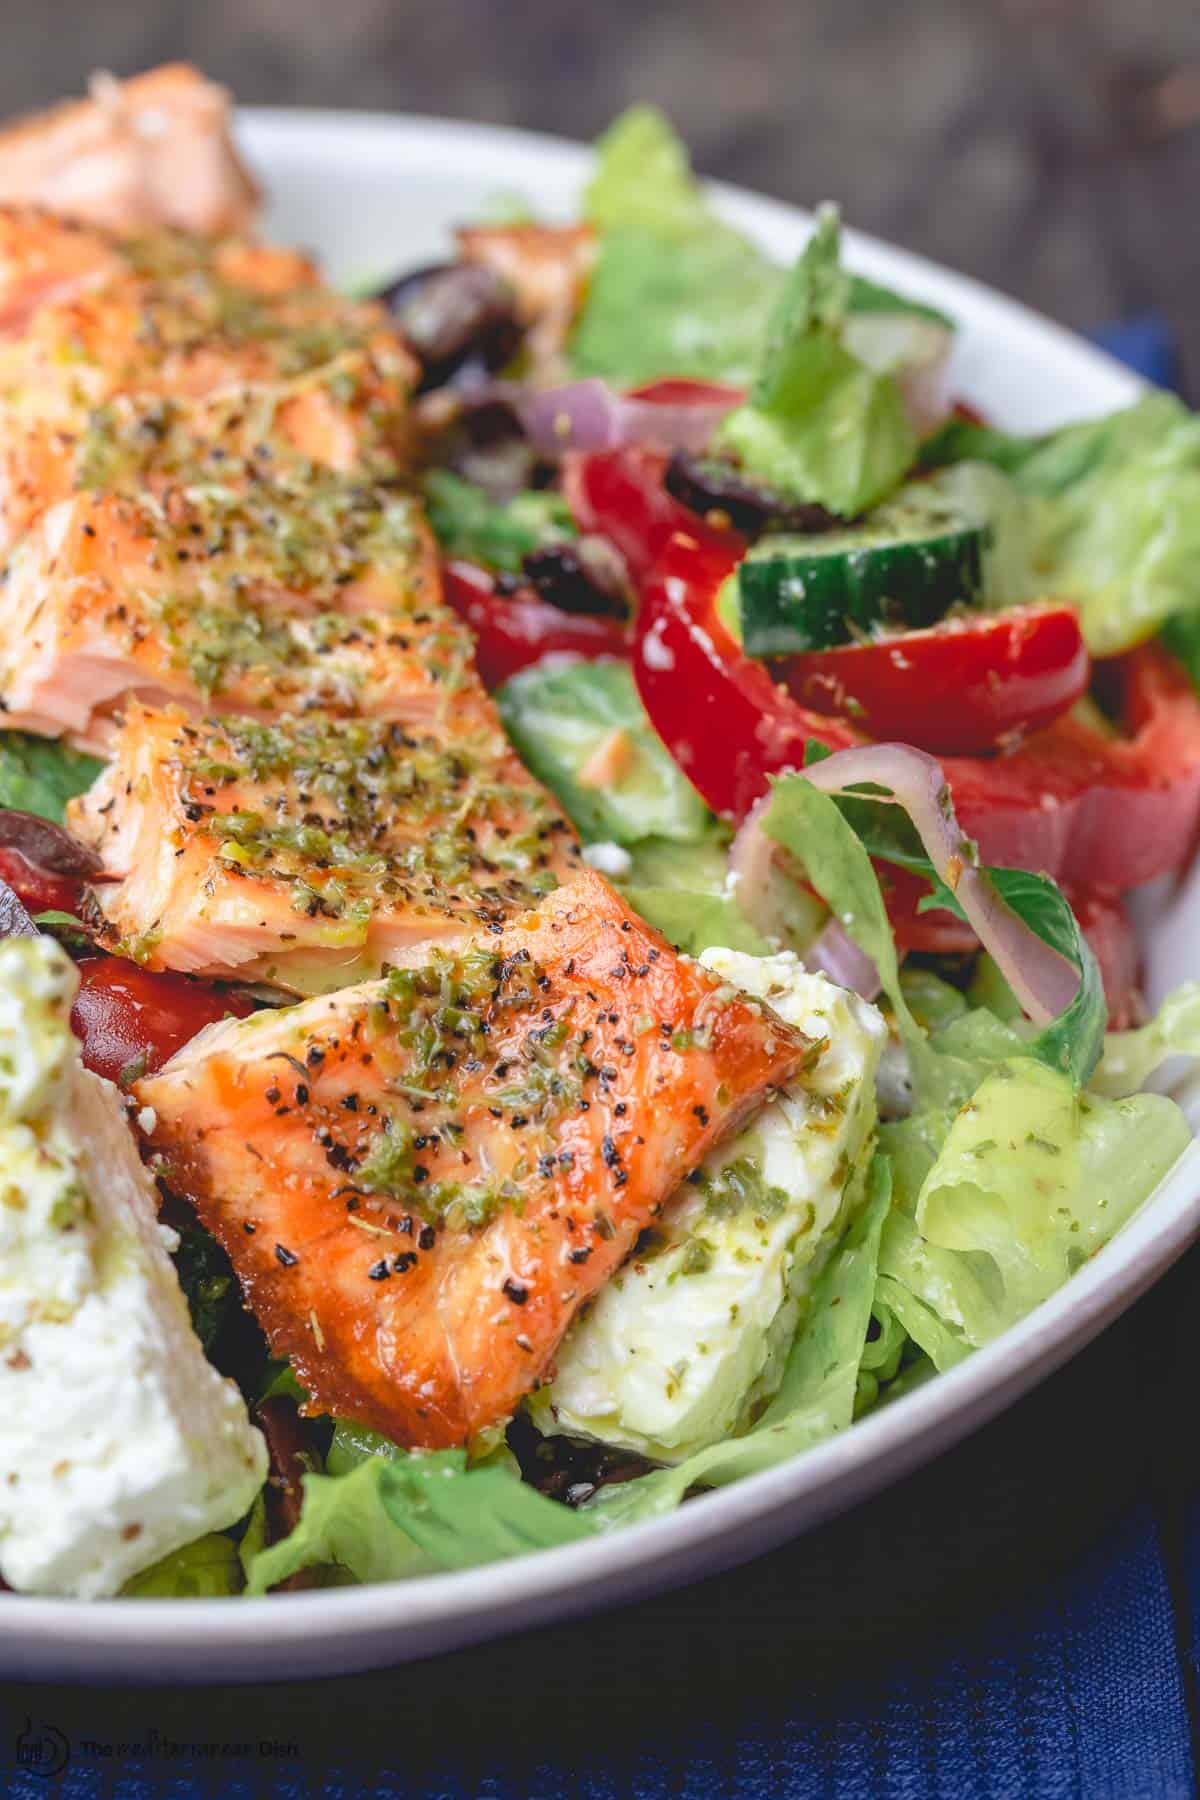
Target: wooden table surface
[{"x": 1050, "y": 147}]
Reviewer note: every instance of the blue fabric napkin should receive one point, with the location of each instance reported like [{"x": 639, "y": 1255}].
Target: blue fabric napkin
[{"x": 1017, "y": 1622}]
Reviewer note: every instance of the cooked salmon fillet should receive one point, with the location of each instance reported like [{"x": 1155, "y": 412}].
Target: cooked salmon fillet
[
  {"x": 420, "y": 1180},
  {"x": 229, "y": 593},
  {"x": 145, "y": 370},
  {"x": 310, "y": 852},
  {"x": 154, "y": 150}
]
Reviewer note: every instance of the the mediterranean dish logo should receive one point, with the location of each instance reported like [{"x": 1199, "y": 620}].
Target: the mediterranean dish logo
[{"x": 42, "y": 1749}]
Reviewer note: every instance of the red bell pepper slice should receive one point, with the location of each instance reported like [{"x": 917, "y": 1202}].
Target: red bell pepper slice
[
  {"x": 720, "y": 714},
  {"x": 961, "y": 687},
  {"x": 514, "y": 630}
]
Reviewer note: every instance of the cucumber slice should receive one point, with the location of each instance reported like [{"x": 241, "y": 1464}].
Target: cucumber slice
[{"x": 931, "y": 547}]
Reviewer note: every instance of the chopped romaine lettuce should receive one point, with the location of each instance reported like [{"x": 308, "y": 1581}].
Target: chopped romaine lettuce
[
  {"x": 468, "y": 523},
  {"x": 694, "y": 921},
  {"x": 643, "y": 176},
  {"x": 810, "y": 826},
  {"x": 1031, "y": 1178},
  {"x": 206, "y": 1569},
  {"x": 344, "y": 1523},
  {"x": 1131, "y": 1057},
  {"x": 399, "y": 1514},
  {"x": 816, "y": 1395},
  {"x": 582, "y": 729},
  {"x": 819, "y": 424},
  {"x": 1117, "y": 520},
  {"x": 39, "y": 775},
  {"x": 677, "y": 291}
]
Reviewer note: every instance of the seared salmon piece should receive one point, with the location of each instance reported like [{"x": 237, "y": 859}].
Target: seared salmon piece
[
  {"x": 138, "y": 376},
  {"x": 310, "y": 852},
  {"x": 232, "y": 595},
  {"x": 420, "y": 1180},
  {"x": 547, "y": 267},
  {"x": 44, "y": 260},
  {"x": 154, "y": 150}
]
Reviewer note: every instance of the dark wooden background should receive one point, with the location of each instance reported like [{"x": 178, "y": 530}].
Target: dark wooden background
[{"x": 1051, "y": 147}]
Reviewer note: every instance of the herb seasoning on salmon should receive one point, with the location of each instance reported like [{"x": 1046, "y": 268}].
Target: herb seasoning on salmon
[{"x": 457, "y": 1156}]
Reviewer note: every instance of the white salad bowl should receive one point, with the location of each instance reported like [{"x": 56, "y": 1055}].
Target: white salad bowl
[{"x": 375, "y": 195}]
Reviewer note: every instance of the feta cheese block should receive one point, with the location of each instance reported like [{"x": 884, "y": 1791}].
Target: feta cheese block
[
  {"x": 689, "y": 1339},
  {"x": 119, "y": 1442}
]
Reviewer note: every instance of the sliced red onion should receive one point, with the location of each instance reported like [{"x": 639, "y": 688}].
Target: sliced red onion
[
  {"x": 768, "y": 892},
  {"x": 1043, "y": 981},
  {"x": 46, "y": 845},
  {"x": 589, "y": 415},
  {"x": 833, "y": 953}
]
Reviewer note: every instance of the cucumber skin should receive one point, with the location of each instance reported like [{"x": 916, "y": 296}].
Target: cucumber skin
[{"x": 797, "y": 601}]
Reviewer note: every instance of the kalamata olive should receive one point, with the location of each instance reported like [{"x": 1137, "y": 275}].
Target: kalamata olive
[
  {"x": 486, "y": 445},
  {"x": 566, "y": 1469},
  {"x": 708, "y": 484},
  {"x": 583, "y": 575},
  {"x": 45, "y": 844},
  {"x": 452, "y": 314}
]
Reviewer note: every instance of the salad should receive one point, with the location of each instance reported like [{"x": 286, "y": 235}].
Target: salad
[{"x": 565, "y": 827}]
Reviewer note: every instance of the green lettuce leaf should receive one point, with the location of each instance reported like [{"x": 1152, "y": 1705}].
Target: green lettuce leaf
[
  {"x": 816, "y": 1397},
  {"x": 1031, "y": 1178},
  {"x": 468, "y": 523},
  {"x": 1117, "y": 526},
  {"x": 558, "y": 717},
  {"x": 206, "y": 1569},
  {"x": 643, "y": 176},
  {"x": 696, "y": 921},
  {"x": 810, "y": 825},
  {"x": 39, "y": 775},
  {"x": 819, "y": 424},
  {"x": 675, "y": 290},
  {"x": 394, "y": 1514},
  {"x": 343, "y": 1522},
  {"x": 1131, "y": 1057}
]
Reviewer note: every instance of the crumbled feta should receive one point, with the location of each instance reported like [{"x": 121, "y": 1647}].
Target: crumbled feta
[
  {"x": 683, "y": 1343},
  {"x": 118, "y": 1440},
  {"x": 608, "y": 859}
]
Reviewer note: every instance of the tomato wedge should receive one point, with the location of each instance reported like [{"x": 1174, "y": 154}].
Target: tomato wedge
[
  {"x": 962, "y": 687},
  {"x": 38, "y": 889},
  {"x": 514, "y": 630},
  {"x": 127, "y": 1017}
]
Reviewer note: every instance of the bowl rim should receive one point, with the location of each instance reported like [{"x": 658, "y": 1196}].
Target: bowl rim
[{"x": 343, "y": 1628}]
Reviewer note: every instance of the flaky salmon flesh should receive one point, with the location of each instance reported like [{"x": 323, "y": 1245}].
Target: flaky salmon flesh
[
  {"x": 311, "y": 851},
  {"x": 242, "y": 592},
  {"x": 172, "y": 348},
  {"x": 420, "y": 1180},
  {"x": 154, "y": 150}
]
